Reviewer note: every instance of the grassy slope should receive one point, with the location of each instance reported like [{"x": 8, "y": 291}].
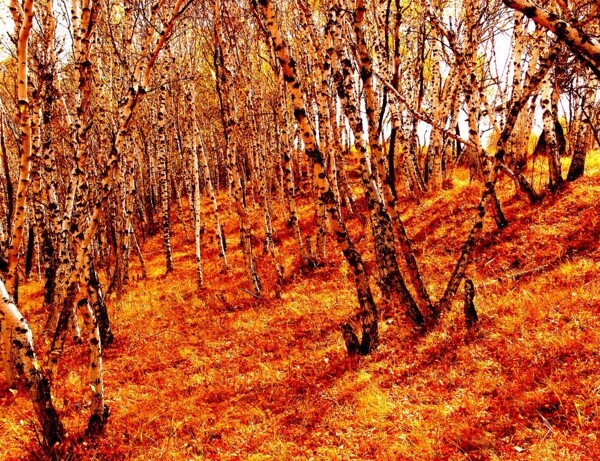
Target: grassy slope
[{"x": 194, "y": 377}]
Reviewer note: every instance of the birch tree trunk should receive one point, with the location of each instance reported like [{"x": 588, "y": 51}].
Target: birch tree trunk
[
  {"x": 580, "y": 43},
  {"x": 370, "y": 331},
  {"x": 10, "y": 205},
  {"x": 477, "y": 229},
  {"x": 164, "y": 180},
  {"x": 23, "y": 19},
  {"x": 83, "y": 237},
  {"x": 219, "y": 235},
  {"x": 416, "y": 312},
  {"x": 519, "y": 141},
  {"x": 234, "y": 175},
  {"x": 18, "y": 342},
  {"x": 193, "y": 152},
  {"x": 577, "y": 166},
  {"x": 554, "y": 168},
  {"x": 98, "y": 304},
  {"x": 99, "y": 411},
  {"x": 288, "y": 174},
  {"x": 381, "y": 224}
]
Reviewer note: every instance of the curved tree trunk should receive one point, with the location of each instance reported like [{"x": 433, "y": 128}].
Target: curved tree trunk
[
  {"x": 473, "y": 238},
  {"x": 370, "y": 331},
  {"x": 16, "y": 334}
]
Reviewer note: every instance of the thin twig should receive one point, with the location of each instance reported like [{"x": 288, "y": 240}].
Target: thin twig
[{"x": 250, "y": 293}]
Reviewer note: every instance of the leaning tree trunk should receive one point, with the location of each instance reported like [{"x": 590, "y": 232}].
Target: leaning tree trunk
[
  {"x": 23, "y": 19},
  {"x": 581, "y": 44},
  {"x": 370, "y": 332},
  {"x": 489, "y": 186},
  {"x": 18, "y": 342}
]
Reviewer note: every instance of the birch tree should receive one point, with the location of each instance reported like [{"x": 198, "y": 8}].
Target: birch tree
[
  {"x": 370, "y": 331},
  {"x": 23, "y": 18},
  {"x": 578, "y": 41}
]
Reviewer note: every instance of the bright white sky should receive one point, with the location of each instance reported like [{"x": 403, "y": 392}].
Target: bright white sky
[
  {"x": 6, "y": 24},
  {"x": 5, "y": 18}
]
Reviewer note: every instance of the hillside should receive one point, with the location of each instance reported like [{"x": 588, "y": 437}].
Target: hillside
[{"x": 218, "y": 374}]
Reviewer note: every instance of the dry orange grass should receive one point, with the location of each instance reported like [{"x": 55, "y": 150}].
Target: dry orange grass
[{"x": 193, "y": 377}]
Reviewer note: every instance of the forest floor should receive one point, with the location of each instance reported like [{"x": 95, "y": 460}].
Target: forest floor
[{"x": 217, "y": 374}]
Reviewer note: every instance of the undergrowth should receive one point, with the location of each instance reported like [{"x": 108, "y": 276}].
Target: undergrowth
[{"x": 218, "y": 374}]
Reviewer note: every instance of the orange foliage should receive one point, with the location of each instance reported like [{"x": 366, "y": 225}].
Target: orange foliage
[{"x": 218, "y": 374}]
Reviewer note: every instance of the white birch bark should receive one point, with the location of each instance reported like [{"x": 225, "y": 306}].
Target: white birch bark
[
  {"x": 370, "y": 331},
  {"x": 577, "y": 40},
  {"x": 193, "y": 152},
  {"x": 23, "y": 18},
  {"x": 99, "y": 412},
  {"x": 19, "y": 349}
]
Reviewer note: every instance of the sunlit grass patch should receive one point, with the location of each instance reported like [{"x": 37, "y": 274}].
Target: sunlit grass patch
[{"x": 218, "y": 374}]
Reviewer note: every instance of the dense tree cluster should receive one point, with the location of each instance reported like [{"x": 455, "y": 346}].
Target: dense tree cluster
[{"x": 117, "y": 115}]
